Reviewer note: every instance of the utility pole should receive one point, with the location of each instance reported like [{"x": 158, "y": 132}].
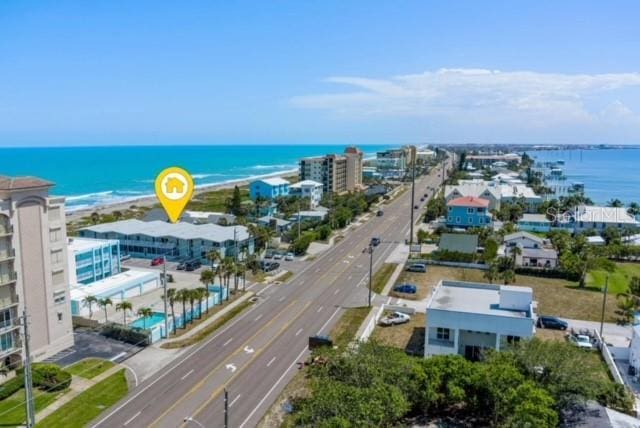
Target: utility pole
[
  {"x": 226, "y": 408},
  {"x": 298, "y": 218},
  {"x": 235, "y": 242},
  {"x": 164, "y": 287},
  {"x": 370, "y": 271},
  {"x": 604, "y": 303},
  {"x": 28, "y": 378}
]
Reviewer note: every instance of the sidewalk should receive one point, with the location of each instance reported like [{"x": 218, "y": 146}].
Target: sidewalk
[{"x": 77, "y": 387}]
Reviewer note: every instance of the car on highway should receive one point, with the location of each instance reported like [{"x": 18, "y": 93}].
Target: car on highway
[
  {"x": 406, "y": 288},
  {"x": 426, "y": 195},
  {"x": 394, "y": 318},
  {"x": 375, "y": 241},
  {"x": 417, "y": 267},
  {"x": 545, "y": 321},
  {"x": 380, "y": 213},
  {"x": 415, "y": 207},
  {"x": 581, "y": 341},
  {"x": 289, "y": 257},
  {"x": 157, "y": 261},
  {"x": 422, "y": 199}
]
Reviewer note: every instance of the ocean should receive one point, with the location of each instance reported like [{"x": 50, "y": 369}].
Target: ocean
[
  {"x": 606, "y": 174},
  {"x": 93, "y": 176}
]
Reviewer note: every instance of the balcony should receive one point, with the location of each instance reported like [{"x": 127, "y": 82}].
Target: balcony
[
  {"x": 8, "y": 325},
  {"x": 441, "y": 342},
  {"x": 8, "y": 278},
  {"x": 7, "y": 255}
]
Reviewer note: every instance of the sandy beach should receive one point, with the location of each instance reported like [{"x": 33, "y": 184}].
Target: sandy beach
[{"x": 149, "y": 201}]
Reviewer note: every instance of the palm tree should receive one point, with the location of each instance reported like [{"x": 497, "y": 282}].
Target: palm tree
[
  {"x": 229, "y": 267},
  {"x": 508, "y": 276},
  {"x": 491, "y": 274},
  {"x": 515, "y": 252},
  {"x": 191, "y": 295},
  {"x": 95, "y": 217},
  {"x": 124, "y": 306},
  {"x": 241, "y": 270},
  {"x": 145, "y": 313},
  {"x": 213, "y": 256},
  {"x": 183, "y": 295},
  {"x": 88, "y": 301},
  {"x": 205, "y": 295},
  {"x": 220, "y": 272},
  {"x": 199, "y": 295},
  {"x": 615, "y": 203},
  {"x": 171, "y": 300},
  {"x": 103, "y": 303},
  {"x": 634, "y": 209}
]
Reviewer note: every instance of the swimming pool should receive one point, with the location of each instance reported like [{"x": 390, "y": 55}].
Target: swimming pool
[{"x": 155, "y": 319}]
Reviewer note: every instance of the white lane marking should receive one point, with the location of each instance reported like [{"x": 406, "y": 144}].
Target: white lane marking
[
  {"x": 273, "y": 387},
  {"x": 121, "y": 354},
  {"x": 259, "y": 293},
  {"x": 336, "y": 292},
  {"x": 227, "y": 342},
  {"x": 248, "y": 350},
  {"x": 320, "y": 308},
  {"x": 188, "y": 373},
  {"x": 281, "y": 299},
  {"x": 234, "y": 400},
  {"x": 329, "y": 320},
  {"x": 349, "y": 277},
  {"x": 298, "y": 332},
  {"x": 132, "y": 418},
  {"x": 317, "y": 270},
  {"x": 271, "y": 361},
  {"x": 231, "y": 367},
  {"x": 258, "y": 317}
]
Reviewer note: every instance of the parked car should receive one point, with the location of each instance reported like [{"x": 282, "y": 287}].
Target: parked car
[
  {"x": 289, "y": 257},
  {"x": 182, "y": 265},
  {"x": 380, "y": 213},
  {"x": 192, "y": 265},
  {"x": 269, "y": 266},
  {"x": 406, "y": 288},
  {"x": 581, "y": 341},
  {"x": 277, "y": 256},
  {"x": 551, "y": 322},
  {"x": 375, "y": 241},
  {"x": 319, "y": 341},
  {"x": 394, "y": 319},
  {"x": 157, "y": 261},
  {"x": 125, "y": 257},
  {"x": 268, "y": 254},
  {"x": 417, "y": 267}
]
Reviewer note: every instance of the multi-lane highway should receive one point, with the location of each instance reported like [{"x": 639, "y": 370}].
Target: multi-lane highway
[{"x": 257, "y": 353}]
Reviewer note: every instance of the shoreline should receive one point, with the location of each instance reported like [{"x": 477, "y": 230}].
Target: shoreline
[{"x": 150, "y": 200}]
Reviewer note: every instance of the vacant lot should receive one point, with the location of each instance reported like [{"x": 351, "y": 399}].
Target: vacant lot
[
  {"x": 408, "y": 337},
  {"x": 557, "y": 297},
  {"x": 618, "y": 279},
  {"x": 424, "y": 283}
]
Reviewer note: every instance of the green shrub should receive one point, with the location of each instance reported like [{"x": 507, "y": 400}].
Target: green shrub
[
  {"x": 126, "y": 334},
  {"x": 453, "y": 256},
  {"x": 50, "y": 377},
  {"x": 11, "y": 386}
]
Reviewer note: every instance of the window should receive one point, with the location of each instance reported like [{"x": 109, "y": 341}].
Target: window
[
  {"x": 469, "y": 210},
  {"x": 55, "y": 235},
  {"x": 513, "y": 339},
  {"x": 470, "y": 220},
  {"x": 5, "y": 318},
  {"x": 56, "y": 257},
  {"x": 449, "y": 219},
  {"x": 457, "y": 219},
  {"x": 443, "y": 333},
  {"x": 6, "y": 341},
  {"x": 59, "y": 316},
  {"x": 59, "y": 297},
  {"x": 57, "y": 278}
]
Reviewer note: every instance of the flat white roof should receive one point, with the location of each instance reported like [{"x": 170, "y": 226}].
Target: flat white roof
[
  {"x": 475, "y": 298},
  {"x": 305, "y": 183},
  {"x": 541, "y": 218},
  {"x": 112, "y": 284},
  {"x": 181, "y": 230},
  {"x": 274, "y": 181},
  {"x": 82, "y": 245}
]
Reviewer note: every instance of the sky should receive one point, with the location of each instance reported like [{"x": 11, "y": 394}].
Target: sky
[{"x": 309, "y": 72}]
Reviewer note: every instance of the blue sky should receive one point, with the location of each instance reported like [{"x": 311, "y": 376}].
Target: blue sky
[{"x": 139, "y": 72}]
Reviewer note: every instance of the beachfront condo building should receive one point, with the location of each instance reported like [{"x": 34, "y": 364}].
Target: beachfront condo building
[
  {"x": 91, "y": 260},
  {"x": 309, "y": 189},
  {"x": 33, "y": 270},
  {"x": 337, "y": 173},
  {"x": 175, "y": 241}
]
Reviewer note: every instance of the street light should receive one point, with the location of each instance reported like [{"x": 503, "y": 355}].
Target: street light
[{"x": 190, "y": 419}]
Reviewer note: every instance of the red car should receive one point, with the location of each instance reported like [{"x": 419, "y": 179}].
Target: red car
[{"x": 157, "y": 261}]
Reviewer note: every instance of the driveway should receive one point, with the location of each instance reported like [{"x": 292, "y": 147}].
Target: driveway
[{"x": 614, "y": 334}]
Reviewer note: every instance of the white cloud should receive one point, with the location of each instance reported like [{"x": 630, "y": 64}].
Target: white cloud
[{"x": 481, "y": 97}]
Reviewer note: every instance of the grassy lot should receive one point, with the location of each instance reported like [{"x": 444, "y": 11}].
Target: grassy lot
[
  {"x": 422, "y": 281},
  {"x": 12, "y": 408},
  {"x": 618, "y": 279},
  {"x": 408, "y": 337},
  {"x": 209, "y": 329},
  {"x": 557, "y": 297},
  {"x": 89, "y": 367},
  {"x": 285, "y": 277},
  {"x": 89, "y": 404},
  {"x": 347, "y": 327},
  {"x": 381, "y": 277},
  {"x": 216, "y": 200}
]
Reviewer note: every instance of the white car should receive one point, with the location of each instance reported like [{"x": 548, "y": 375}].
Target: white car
[
  {"x": 288, "y": 257},
  {"x": 581, "y": 341},
  {"x": 277, "y": 256},
  {"x": 395, "y": 318}
]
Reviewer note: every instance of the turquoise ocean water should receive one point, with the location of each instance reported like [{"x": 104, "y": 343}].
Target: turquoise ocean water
[
  {"x": 606, "y": 174},
  {"x": 90, "y": 176}
]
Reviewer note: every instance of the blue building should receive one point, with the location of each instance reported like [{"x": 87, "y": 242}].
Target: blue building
[
  {"x": 467, "y": 212},
  {"x": 91, "y": 260},
  {"x": 269, "y": 189}
]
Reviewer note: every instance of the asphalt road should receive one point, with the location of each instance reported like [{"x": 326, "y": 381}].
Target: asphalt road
[{"x": 257, "y": 353}]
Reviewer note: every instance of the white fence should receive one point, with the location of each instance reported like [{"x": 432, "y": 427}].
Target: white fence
[{"x": 608, "y": 358}]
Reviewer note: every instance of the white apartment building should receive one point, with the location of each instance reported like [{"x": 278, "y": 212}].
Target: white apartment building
[
  {"x": 33, "y": 270},
  {"x": 467, "y": 318},
  {"x": 307, "y": 189},
  {"x": 587, "y": 217}
]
